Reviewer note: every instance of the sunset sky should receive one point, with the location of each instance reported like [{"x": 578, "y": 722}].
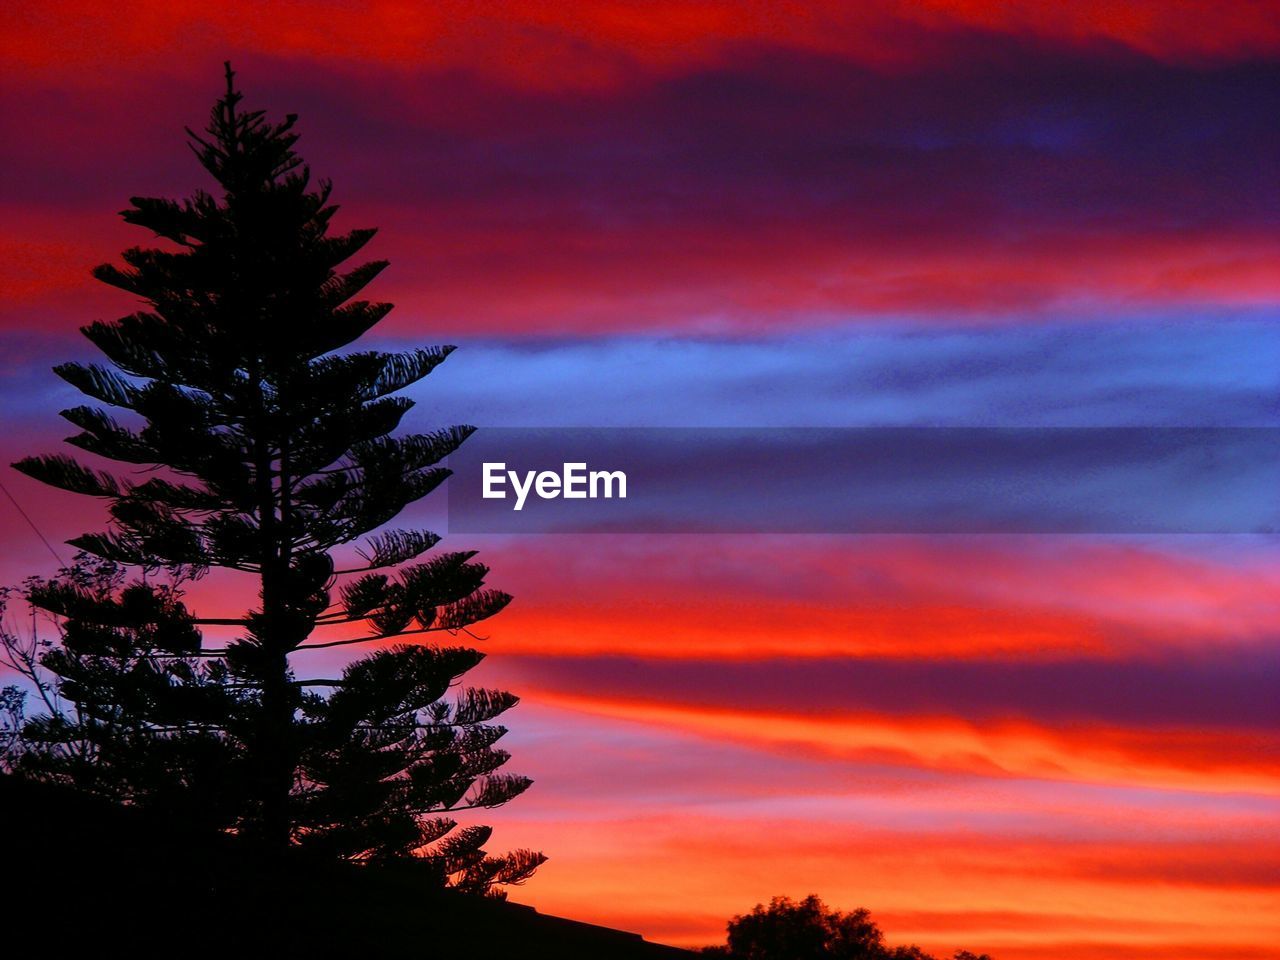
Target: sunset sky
[{"x": 944, "y": 213}]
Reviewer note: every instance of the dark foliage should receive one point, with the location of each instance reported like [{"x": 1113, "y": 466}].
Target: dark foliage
[
  {"x": 809, "y": 930},
  {"x": 255, "y": 439}
]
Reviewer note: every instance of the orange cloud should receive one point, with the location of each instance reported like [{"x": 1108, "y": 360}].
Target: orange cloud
[
  {"x": 939, "y": 889},
  {"x": 1209, "y": 761}
]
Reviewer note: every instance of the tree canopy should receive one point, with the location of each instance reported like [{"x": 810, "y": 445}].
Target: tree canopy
[
  {"x": 234, "y": 426},
  {"x": 809, "y": 930}
]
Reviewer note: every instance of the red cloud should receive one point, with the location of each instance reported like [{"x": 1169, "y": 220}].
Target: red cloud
[
  {"x": 593, "y": 45},
  {"x": 756, "y": 597}
]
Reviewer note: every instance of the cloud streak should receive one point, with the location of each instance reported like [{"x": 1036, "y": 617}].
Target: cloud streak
[{"x": 749, "y": 173}]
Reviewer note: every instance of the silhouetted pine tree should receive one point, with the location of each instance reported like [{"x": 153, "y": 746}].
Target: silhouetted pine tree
[{"x": 266, "y": 443}]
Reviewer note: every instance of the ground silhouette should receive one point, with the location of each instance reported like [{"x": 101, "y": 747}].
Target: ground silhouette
[{"x": 90, "y": 875}]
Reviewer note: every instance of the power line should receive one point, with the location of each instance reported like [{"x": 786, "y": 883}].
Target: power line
[{"x": 32, "y": 524}]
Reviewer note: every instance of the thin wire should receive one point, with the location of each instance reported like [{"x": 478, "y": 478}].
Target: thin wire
[{"x": 31, "y": 523}]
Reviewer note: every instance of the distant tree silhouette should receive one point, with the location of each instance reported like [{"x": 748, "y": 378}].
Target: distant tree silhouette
[
  {"x": 809, "y": 930},
  {"x": 260, "y": 443}
]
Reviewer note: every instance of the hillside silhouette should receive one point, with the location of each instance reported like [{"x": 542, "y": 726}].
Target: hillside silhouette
[{"x": 118, "y": 878}]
